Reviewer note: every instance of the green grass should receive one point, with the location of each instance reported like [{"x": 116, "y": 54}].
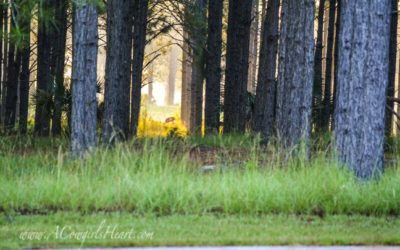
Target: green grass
[
  {"x": 257, "y": 196},
  {"x": 72, "y": 229},
  {"x": 156, "y": 176}
]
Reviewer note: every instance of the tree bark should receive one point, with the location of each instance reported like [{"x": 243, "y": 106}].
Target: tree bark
[
  {"x": 3, "y": 43},
  {"x": 264, "y": 110},
  {"x": 5, "y": 63},
  {"x": 186, "y": 79},
  {"x": 318, "y": 81},
  {"x": 59, "y": 64},
  {"x": 362, "y": 81},
  {"x": 392, "y": 66},
  {"x": 84, "y": 85},
  {"x": 327, "y": 114},
  {"x": 251, "y": 82},
  {"x": 213, "y": 66},
  {"x": 24, "y": 79},
  {"x": 237, "y": 66},
  {"x": 118, "y": 62},
  {"x": 336, "y": 60},
  {"x": 139, "y": 43},
  {"x": 173, "y": 67},
  {"x": 150, "y": 83},
  {"x": 197, "y": 40},
  {"x": 44, "y": 91},
  {"x": 14, "y": 63},
  {"x": 295, "y": 83}
]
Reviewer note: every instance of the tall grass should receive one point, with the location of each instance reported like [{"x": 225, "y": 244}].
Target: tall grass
[{"x": 157, "y": 176}]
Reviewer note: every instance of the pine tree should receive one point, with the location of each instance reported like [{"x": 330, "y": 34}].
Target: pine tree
[
  {"x": 296, "y": 54},
  {"x": 264, "y": 111},
  {"x": 362, "y": 81},
  {"x": 84, "y": 78},
  {"x": 237, "y": 65},
  {"x": 213, "y": 66}
]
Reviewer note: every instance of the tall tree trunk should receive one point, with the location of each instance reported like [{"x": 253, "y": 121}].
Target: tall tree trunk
[
  {"x": 186, "y": 79},
  {"x": 173, "y": 67},
  {"x": 117, "y": 85},
  {"x": 14, "y": 63},
  {"x": 213, "y": 66},
  {"x": 197, "y": 39},
  {"x": 336, "y": 60},
  {"x": 295, "y": 83},
  {"x": 5, "y": 63},
  {"x": 24, "y": 79},
  {"x": 318, "y": 82},
  {"x": 150, "y": 83},
  {"x": 139, "y": 44},
  {"x": 392, "y": 66},
  {"x": 327, "y": 113},
  {"x": 2, "y": 44},
  {"x": 251, "y": 81},
  {"x": 362, "y": 81},
  {"x": 44, "y": 91},
  {"x": 59, "y": 63},
  {"x": 84, "y": 85},
  {"x": 264, "y": 110},
  {"x": 237, "y": 65}
]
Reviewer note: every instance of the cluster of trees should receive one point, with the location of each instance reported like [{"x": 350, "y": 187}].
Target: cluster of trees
[{"x": 341, "y": 80}]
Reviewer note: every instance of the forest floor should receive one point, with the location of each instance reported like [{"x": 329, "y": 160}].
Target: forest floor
[{"x": 191, "y": 191}]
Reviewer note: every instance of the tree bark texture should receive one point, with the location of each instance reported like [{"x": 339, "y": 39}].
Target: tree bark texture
[
  {"x": 213, "y": 66},
  {"x": 139, "y": 43},
  {"x": 118, "y": 63},
  {"x": 264, "y": 110},
  {"x": 237, "y": 66},
  {"x": 295, "y": 82},
  {"x": 362, "y": 81},
  {"x": 84, "y": 77}
]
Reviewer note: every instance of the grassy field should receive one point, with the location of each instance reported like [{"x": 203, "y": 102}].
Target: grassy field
[{"x": 267, "y": 195}]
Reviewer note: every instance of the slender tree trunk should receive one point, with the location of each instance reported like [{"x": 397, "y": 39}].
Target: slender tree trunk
[
  {"x": 139, "y": 43},
  {"x": 318, "y": 82},
  {"x": 197, "y": 34},
  {"x": 237, "y": 66},
  {"x": 24, "y": 80},
  {"x": 336, "y": 60},
  {"x": 5, "y": 63},
  {"x": 327, "y": 113},
  {"x": 295, "y": 83},
  {"x": 186, "y": 79},
  {"x": 2, "y": 44},
  {"x": 213, "y": 66},
  {"x": 14, "y": 63},
  {"x": 251, "y": 82},
  {"x": 392, "y": 66},
  {"x": 84, "y": 104},
  {"x": 150, "y": 82},
  {"x": 44, "y": 91},
  {"x": 59, "y": 63},
  {"x": 118, "y": 62},
  {"x": 173, "y": 67},
  {"x": 264, "y": 110},
  {"x": 362, "y": 81},
  {"x": 12, "y": 88}
]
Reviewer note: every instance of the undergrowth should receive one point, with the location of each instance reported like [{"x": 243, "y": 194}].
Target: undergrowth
[{"x": 158, "y": 176}]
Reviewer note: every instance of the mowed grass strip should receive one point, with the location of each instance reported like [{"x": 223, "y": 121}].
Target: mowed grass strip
[{"x": 77, "y": 230}]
